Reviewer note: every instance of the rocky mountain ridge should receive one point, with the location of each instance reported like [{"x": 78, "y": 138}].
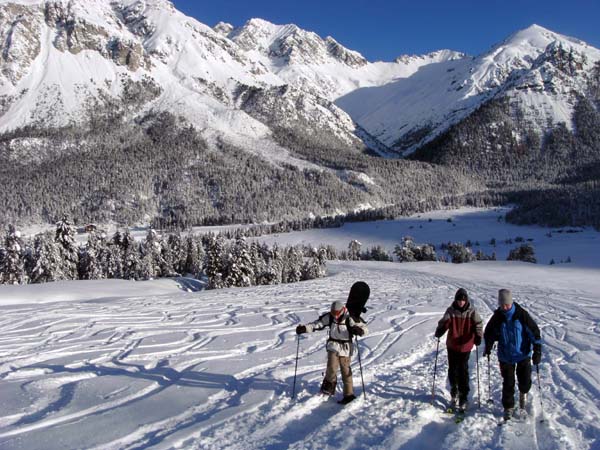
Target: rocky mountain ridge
[{"x": 293, "y": 103}]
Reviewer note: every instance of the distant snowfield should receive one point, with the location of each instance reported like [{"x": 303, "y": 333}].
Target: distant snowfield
[
  {"x": 479, "y": 225},
  {"x": 162, "y": 368}
]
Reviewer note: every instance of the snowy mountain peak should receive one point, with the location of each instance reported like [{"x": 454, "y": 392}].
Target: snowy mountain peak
[
  {"x": 536, "y": 36},
  {"x": 436, "y": 56},
  {"x": 223, "y": 28},
  {"x": 291, "y": 45}
]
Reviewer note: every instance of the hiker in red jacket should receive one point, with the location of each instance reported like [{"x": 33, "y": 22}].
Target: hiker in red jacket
[{"x": 465, "y": 329}]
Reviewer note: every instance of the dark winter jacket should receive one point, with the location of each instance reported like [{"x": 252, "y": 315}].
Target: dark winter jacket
[
  {"x": 515, "y": 332},
  {"x": 463, "y": 324}
]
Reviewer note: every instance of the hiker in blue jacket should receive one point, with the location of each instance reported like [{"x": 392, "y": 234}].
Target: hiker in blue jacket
[{"x": 516, "y": 333}]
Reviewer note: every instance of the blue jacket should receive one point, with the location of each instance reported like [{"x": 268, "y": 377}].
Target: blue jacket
[{"x": 515, "y": 332}]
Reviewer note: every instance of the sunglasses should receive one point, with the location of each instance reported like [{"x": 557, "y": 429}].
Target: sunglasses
[{"x": 338, "y": 313}]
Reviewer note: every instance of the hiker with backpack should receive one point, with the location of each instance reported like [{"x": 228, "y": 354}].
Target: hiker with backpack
[
  {"x": 517, "y": 334},
  {"x": 465, "y": 329},
  {"x": 343, "y": 322}
]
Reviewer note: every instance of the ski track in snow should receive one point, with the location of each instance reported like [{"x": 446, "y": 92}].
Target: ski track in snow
[{"x": 214, "y": 370}]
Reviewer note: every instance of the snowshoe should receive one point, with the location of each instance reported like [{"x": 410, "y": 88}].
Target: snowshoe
[
  {"x": 328, "y": 388},
  {"x": 347, "y": 399}
]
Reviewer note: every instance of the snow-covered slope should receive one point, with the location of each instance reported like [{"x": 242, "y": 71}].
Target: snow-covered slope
[
  {"x": 62, "y": 59},
  {"x": 59, "y": 60},
  {"x": 322, "y": 66},
  {"x": 540, "y": 71},
  {"x": 163, "y": 364}
]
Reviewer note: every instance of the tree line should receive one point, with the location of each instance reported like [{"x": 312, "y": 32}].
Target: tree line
[{"x": 55, "y": 256}]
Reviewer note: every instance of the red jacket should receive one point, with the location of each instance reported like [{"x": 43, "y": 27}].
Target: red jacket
[{"x": 462, "y": 324}]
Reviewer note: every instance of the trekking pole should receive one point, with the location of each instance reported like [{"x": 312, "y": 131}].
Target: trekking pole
[
  {"x": 296, "y": 369},
  {"x": 478, "y": 389},
  {"x": 537, "y": 368},
  {"x": 361, "y": 371},
  {"x": 490, "y": 401},
  {"x": 435, "y": 371}
]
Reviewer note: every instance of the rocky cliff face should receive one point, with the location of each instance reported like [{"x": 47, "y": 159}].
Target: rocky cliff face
[{"x": 20, "y": 40}]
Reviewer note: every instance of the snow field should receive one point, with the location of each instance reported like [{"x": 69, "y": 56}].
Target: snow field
[{"x": 214, "y": 369}]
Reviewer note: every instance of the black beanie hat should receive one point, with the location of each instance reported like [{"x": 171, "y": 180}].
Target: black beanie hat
[{"x": 461, "y": 294}]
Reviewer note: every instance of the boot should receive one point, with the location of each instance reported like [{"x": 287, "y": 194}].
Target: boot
[
  {"x": 508, "y": 413},
  {"x": 462, "y": 404},
  {"x": 347, "y": 399},
  {"x": 522, "y": 400},
  {"x": 453, "y": 403}
]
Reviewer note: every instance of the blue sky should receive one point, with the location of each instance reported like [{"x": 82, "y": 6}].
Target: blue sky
[{"x": 384, "y": 29}]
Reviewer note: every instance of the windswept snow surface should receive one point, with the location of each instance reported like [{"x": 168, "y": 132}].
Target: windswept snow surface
[
  {"x": 214, "y": 369},
  {"x": 163, "y": 364}
]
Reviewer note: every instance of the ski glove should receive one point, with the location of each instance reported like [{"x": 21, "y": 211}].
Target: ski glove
[
  {"x": 537, "y": 354},
  {"x": 300, "y": 329},
  {"x": 477, "y": 340},
  {"x": 356, "y": 330}
]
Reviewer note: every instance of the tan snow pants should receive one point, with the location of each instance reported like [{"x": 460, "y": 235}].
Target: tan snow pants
[{"x": 343, "y": 362}]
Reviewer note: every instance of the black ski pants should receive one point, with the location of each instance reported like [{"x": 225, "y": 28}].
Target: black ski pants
[
  {"x": 458, "y": 373},
  {"x": 523, "y": 369}
]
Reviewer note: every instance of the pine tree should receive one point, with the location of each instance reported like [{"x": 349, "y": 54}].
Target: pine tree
[
  {"x": 215, "y": 247},
  {"x": 130, "y": 255},
  {"x": 354, "y": 250},
  {"x": 178, "y": 252},
  {"x": 292, "y": 266},
  {"x": 114, "y": 262},
  {"x": 314, "y": 267},
  {"x": 46, "y": 260},
  {"x": 194, "y": 256},
  {"x": 69, "y": 252},
  {"x": 460, "y": 254},
  {"x": 524, "y": 253},
  {"x": 151, "y": 257},
  {"x": 239, "y": 266},
  {"x": 90, "y": 265},
  {"x": 12, "y": 261},
  {"x": 404, "y": 252}
]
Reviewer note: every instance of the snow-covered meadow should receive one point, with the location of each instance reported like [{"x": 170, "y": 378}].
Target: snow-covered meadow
[{"x": 161, "y": 364}]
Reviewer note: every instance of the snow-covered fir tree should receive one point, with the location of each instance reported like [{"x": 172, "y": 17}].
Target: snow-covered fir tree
[
  {"x": 12, "y": 259},
  {"x": 460, "y": 254},
  {"x": 151, "y": 257},
  {"x": 354, "y": 250},
  {"x": 377, "y": 253},
  {"x": 178, "y": 253},
  {"x": 65, "y": 237},
  {"x": 292, "y": 265},
  {"x": 274, "y": 266},
  {"x": 408, "y": 251},
  {"x": 404, "y": 252},
  {"x": 194, "y": 256},
  {"x": 130, "y": 254},
  {"x": 315, "y": 266},
  {"x": 114, "y": 262},
  {"x": 239, "y": 268},
  {"x": 524, "y": 253},
  {"x": 90, "y": 262},
  {"x": 46, "y": 260},
  {"x": 215, "y": 248}
]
